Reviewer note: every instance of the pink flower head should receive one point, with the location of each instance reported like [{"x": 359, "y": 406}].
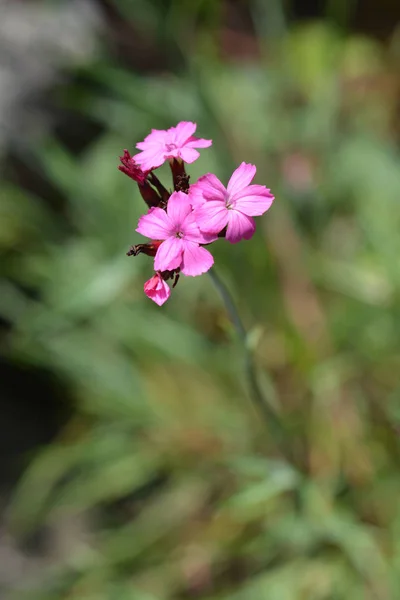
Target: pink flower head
[
  {"x": 157, "y": 289},
  {"x": 175, "y": 142},
  {"x": 217, "y": 207},
  {"x": 181, "y": 237}
]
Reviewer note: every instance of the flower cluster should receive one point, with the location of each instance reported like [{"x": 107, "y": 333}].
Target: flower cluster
[{"x": 180, "y": 223}]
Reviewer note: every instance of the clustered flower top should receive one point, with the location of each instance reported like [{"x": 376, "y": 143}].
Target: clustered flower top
[{"x": 180, "y": 223}]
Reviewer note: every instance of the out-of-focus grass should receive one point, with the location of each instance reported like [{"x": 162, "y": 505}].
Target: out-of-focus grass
[{"x": 176, "y": 479}]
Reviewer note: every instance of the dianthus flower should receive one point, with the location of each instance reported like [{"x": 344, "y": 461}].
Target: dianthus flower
[
  {"x": 180, "y": 235},
  {"x": 157, "y": 289},
  {"x": 176, "y": 142},
  {"x": 217, "y": 207}
]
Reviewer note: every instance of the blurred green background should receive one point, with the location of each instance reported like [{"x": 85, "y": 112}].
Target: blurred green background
[{"x": 133, "y": 463}]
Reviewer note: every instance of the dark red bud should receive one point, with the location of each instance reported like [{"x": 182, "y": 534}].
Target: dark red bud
[
  {"x": 130, "y": 168},
  {"x": 148, "y": 249}
]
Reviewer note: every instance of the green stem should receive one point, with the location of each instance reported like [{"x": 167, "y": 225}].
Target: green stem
[{"x": 271, "y": 418}]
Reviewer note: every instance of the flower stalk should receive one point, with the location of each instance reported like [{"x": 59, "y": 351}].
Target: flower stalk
[{"x": 263, "y": 406}]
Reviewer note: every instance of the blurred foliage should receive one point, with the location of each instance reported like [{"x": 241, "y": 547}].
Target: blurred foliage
[{"x": 173, "y": 478}]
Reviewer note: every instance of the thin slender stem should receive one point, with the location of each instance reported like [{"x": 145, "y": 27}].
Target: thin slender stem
[
  {"x": 271, "y": 418},
  {"x": 229, "y": 305}
]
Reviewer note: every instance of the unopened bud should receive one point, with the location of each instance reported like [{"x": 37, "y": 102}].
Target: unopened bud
[{"x": 130, "y": 168}]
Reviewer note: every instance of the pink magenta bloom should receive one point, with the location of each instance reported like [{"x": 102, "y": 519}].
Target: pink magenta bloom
[
  {"x": 175, "y": 142},
  {"x": 217, "y": 207},
  {"x": 157, "y": 289},
  {"x": 181, "y": 237}
]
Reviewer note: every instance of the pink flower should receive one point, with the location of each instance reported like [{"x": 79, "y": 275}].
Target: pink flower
[
  {"x": 157, "y": 289},
  {"x": 217, "y": 207},
  {"x": 175, "y": 142},
  {"x": 181, "y": 237}
]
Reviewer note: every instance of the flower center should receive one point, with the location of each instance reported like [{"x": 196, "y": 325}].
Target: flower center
[
  {"x": 228, "y": 202},
  {"x": 170, "y": 147},
  {"x": 179, "y": 234}
]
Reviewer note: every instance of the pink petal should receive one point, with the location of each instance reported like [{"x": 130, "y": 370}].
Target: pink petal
[
  {"x": 251, "y": 190},
  {"x": 179, "y": 208},
  {"x": 212, "y": 216},
  {"x": 192, "y": 233},
  {"x": 253, "y": 201},
  {"x": 155, "y": 224},
  {"x": 211, "y": 188},
  {"x": 183, "y": 131},
  {"x": 156, "y": 136},
  {"x": 169, "y": 255},
  {"x": 240, "y": 227},
  {"x": 172, "y": 153},
  {"x": 148, "y": 146},
  {"x": 194, "y": 142},
  {"x": 243, "y": 175},
  {"x": 157, "y": 289},
  {"x": 150, "y": 158},
  {"x": 189, "y": 155},
  {"x": 196, "y": 195},
  {"x": 196, "y": 260},
  {"x": 176, "y": 142}
]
